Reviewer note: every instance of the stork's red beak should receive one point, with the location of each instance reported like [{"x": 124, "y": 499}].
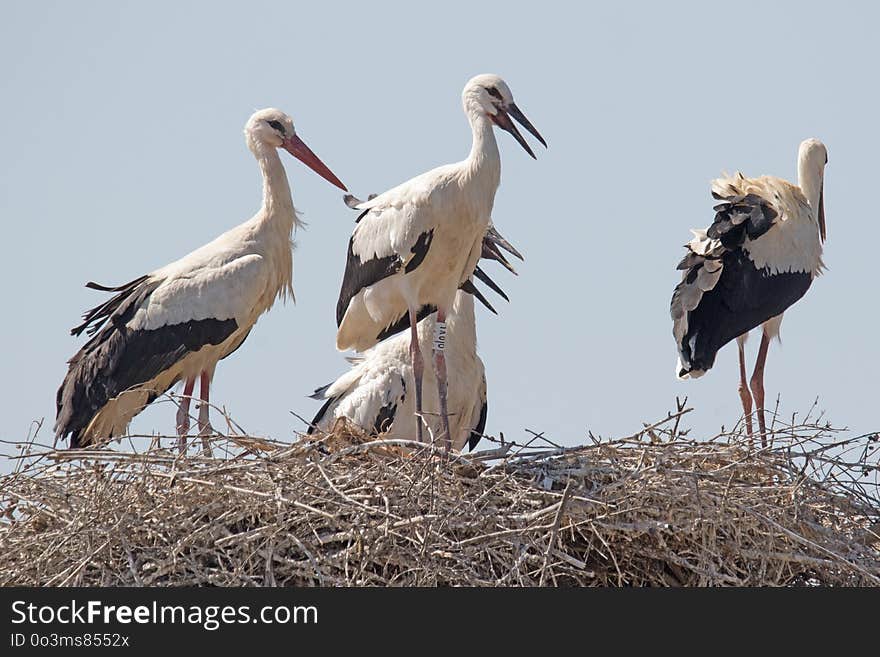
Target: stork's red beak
[{"x": 297, "y": 147}]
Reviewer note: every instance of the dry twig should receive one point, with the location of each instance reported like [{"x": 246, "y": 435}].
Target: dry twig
[{"x": 349, "y": 510}]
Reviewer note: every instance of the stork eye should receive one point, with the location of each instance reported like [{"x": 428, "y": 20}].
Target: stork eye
[
  {"x": 494, "y": 92},
  {"x": 277, "y": 125}
]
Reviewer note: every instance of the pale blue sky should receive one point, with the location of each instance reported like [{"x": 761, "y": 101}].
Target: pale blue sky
[{"x": 122, "y": 150}]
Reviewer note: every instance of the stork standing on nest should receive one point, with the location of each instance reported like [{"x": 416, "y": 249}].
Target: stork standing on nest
[
  {"x": 177, "y": 322},
  {"x": 417, "y": 243},
  {"x": 758, "y": 257},
  {"x": 374, "y": 393}
]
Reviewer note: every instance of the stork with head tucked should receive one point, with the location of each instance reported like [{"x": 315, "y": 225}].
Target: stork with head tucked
[
  {"x": 176, "y": 323},
  {"x": 414, "y": 245},
  {"x": 758, "y": 257},
  {"x": 374, "y": 393}
]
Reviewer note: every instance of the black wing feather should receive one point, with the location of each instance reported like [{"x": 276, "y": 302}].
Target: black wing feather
[
  {"x": 385, "y": 418},
  {"x": 740, "y": 217},
  {"x": 419, "y": 250},
  {"x": 117, "y": 358},
  {"x": 402, "y": 322},
  {"x": 744, "y": 296},
  {"x": 93, "y": 319},
  {"x": 313, "y": 427},
  {"x": 492, "y": 237},
  {"x": 360, "y": 274},
  {"x": 480, "y": 428}
]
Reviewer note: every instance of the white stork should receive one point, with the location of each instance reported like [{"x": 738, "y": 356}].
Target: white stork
[
  {"x": 758, "y": 257},
  {"x": 417, "y": 243},
  {"x": 177, "y": 322},
  {"x": 373, "y": 394}
]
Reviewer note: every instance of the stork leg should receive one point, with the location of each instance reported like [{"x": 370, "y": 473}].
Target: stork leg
[
  {"x": 757, "y": 384},
  {"x": 183, "y": 413},
  {"x": 418, "y": 366},
  {"x": 744, "y": 393},
  {"x": 440, "y": 374},
  {"x": 205, "y": 428}
]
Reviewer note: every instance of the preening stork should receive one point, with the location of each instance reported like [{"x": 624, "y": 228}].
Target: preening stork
[
  {"x": 416, "y": 244},
  {"x": 176, "y": 323},
  {"x": 373, "y": 394},
  {"x": 758, "y": 257}
]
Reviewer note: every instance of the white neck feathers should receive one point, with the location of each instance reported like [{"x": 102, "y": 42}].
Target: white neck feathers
[
  {"x": 810, "y": 175},
  {"x": 276, "y": 219},
  {"x": 484, "y": 158}
]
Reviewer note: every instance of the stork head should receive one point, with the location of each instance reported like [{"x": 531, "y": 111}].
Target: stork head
[
  {"x": 812, "y": 158},
  {"x": 272, "y": 127},
  {"x": 488, "y": 94}
]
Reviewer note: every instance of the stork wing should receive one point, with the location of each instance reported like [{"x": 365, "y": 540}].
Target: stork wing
[
  {"x": 369, "y": 395},
  {"x": 363, "y": 268},
  {"x": 152, "y": 326},
  {"x": 722, "y": 293},
  {"x": 224, "y": 290},
  {"x": 480, "y": 426},
  {"x": 389, "y": 237}
]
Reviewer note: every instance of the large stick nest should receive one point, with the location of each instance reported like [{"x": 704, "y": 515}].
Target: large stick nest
[{"x": 656, "y": 508}]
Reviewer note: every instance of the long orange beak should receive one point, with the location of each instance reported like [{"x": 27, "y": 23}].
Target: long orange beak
[{"x": 297, "y": 147}]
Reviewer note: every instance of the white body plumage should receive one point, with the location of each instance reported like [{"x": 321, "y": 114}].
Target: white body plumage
[{"x": 376, "y": 393}]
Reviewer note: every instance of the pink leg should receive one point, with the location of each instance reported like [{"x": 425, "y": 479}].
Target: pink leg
[
  {"x": 440, "y": 373},
  {"x": 183, "y": 413},
  {"x": 744, "y": 393},
  {"x": 418, "y": 370},
  {"x": 205, "y": 428},
  {"x": 758, "y": 386}
]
